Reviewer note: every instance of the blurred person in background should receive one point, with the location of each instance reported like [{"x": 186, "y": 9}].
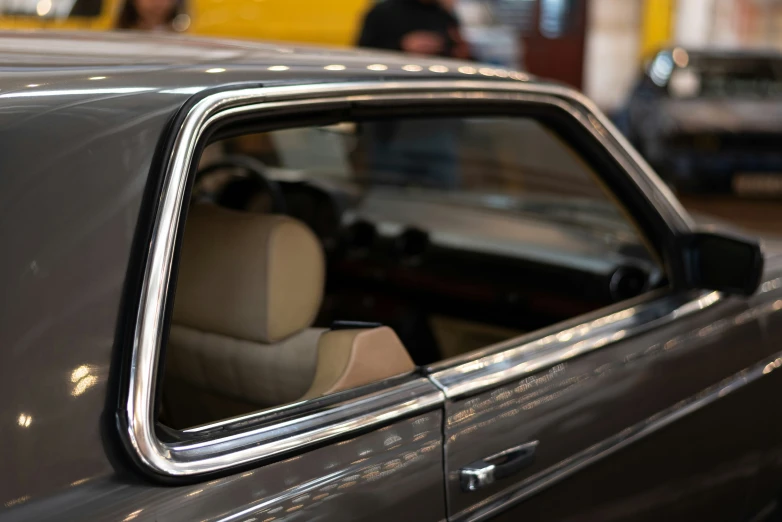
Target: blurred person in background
[
  {"x": 153, "y": 15},
  {"x": 414, "y": 152},
  {"x": 414, "y": 26}
]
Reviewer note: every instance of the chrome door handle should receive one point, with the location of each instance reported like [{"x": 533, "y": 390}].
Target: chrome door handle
[{"x": 498, "y": 466}]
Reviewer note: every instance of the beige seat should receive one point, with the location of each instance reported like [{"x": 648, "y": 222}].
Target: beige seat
[
  {"x": 352, "y": 358},
  {"x": 249, "y": 288}
]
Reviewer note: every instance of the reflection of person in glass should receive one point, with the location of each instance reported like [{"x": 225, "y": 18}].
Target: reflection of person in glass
[
  {"x": 413, "y": 152},
  {"x": 153, "y": 15},
  {"x": 417, "y": 152}
]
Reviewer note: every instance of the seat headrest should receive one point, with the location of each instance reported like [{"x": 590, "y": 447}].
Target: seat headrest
[{"x": 249, "y": 276}]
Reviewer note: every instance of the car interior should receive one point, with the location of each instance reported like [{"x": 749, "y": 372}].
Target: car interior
[{"x": 316, "y": 260}]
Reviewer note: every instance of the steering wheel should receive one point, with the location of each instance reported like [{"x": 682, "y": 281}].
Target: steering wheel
[{"x": 257, "y": 179}]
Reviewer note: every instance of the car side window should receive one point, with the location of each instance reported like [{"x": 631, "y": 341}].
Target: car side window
[{"x": 322, "y": 258}]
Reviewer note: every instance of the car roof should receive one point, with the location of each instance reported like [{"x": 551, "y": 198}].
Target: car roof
[
  {"x": 181, "y": 61},
  {"x": 65, "y": 90}
]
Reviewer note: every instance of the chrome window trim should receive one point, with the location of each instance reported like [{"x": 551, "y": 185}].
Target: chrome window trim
[
  {"x": 137, "y": 425},
  {"x": 303, "y": 430},
  {"x": 506, "y": 362}
]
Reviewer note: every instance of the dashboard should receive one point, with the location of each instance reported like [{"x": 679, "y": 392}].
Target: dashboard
[
  {"x": 414, "y": 261},
  {"x": 382, "y": 226}
]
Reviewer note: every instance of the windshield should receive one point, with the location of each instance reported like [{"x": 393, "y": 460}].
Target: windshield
[{"x": 747, "y": 78}]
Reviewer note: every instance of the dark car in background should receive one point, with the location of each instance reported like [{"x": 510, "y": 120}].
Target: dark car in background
[
  {"x": 710, "y": 121},
  {"x": 248, "y": 282}
]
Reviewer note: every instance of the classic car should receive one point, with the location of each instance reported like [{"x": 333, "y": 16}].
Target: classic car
[
  {"x": 709, "y": 120},
  {"x": 257, "y": 282}
]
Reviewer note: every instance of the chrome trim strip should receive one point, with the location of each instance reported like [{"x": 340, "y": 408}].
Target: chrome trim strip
[
  {"x": 242, "y": 446},
  {"x": 136, "y": 418},
  {"x": 532, "y": 356},
  {"x": 550, "y": 476},
  {"x": 296, "y": 432},
  {"x": 397, "y": 385}
]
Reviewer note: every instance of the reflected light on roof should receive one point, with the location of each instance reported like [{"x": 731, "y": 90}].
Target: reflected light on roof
[
  {"x": 80, "y": 372},
  {"x": 466, "y": 69},
  {"x": 519, "y": 76},
  {"x": 76, "y": 92},
  {"x": 183, "y": 90},
  {"x": 215, "y": 70},
  {"x": 335, "y": 67},
  {"x": 24, "y": 420},
  {"x": 33, "y": 84},
  {"x": 377, "y": 67},
  {"x": 96, "y": 78},
  {"x": 83, "y": 378},
  {"x": 486, "y": 71},
  {"x": 502, "y": 73},
  {"x": 43, "y": 7},
  {"x": 279, "y": 68},
  {"x": 84, "y": 384},
  {"x": 680, "y": 57},
  {"x": 18, "y": 500},
  {"x": 412, "y": 68},
  {"x": 132, "y": 515},
  {"x": 438, "y": 68}
]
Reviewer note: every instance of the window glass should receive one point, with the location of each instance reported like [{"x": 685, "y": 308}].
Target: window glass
[{"x": 320, "y": 259}]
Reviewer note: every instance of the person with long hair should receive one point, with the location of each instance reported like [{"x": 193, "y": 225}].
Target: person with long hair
[{"x": 153, "y": 15}]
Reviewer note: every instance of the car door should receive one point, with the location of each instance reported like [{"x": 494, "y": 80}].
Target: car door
[{"x": 640, "y": 411}]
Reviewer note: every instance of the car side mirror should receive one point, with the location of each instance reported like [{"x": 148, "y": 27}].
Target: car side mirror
[{"x": 718, "y": 261}]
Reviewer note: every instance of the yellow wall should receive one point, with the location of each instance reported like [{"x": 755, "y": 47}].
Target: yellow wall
[
  {"x": 332, "y": 22},
  {"x": 315, "y": 21},
  {"x": 657, "y": 25}
]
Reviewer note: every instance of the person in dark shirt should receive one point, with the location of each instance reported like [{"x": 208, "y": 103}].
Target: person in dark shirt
[{"x": 413, "y": 26}]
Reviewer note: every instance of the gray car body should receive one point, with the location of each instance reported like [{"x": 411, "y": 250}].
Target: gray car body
[{"x": 82, "y": 117}]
